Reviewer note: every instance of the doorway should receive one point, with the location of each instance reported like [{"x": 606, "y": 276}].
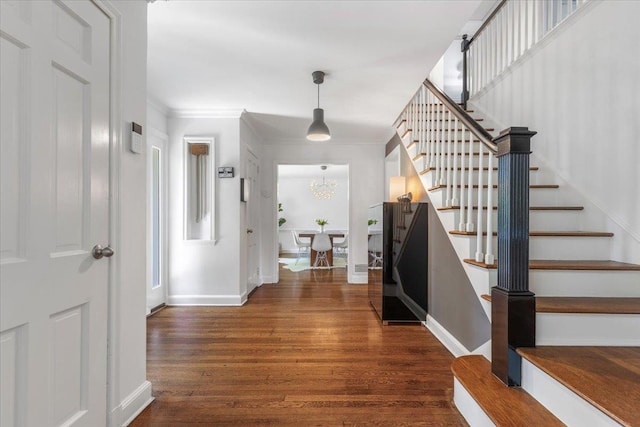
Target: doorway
[{"x": 309, "y": 195}]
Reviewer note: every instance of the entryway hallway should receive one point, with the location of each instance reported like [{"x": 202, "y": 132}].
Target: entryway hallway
[{"x": 307, "y": 351}]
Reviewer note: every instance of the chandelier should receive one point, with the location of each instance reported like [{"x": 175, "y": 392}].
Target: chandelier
[{"x": 325, "y": 189}]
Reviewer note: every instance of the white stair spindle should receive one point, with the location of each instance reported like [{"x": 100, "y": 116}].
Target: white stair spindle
[
  {"x": 432, "y": 138},
  {"x": 443, "y": 148},
  {"x": 428, "y": 145},
  {"x": 489, "y": 257},
  {"x": 449, "y": 160},
  {"x": 461, "y": 224},
  {"x": 470, "y": 226},
  {"x": 454, "y": 170},
  {"x": 423, "y": 120},
  {"x": 479, "y": 225},
  {"x": 438, "y": 146}
]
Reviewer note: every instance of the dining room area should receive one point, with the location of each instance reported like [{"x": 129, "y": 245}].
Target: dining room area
[{"x": 313, "y": 216}]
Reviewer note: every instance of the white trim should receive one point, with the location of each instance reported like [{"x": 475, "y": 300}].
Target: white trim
[
  {"x": 115, "y": 154},
  {"x": 357, "y": 278},
  {"x": 468, "y": 407},
  {"x": 206, "y": 114},
  {"x": 567, "y": 406},
  {"x": 135, "y": 403},
  {"x": 206, "y": 300},
  {"x": 268, "y": 280},
  {"x": 454, "y": 346}
]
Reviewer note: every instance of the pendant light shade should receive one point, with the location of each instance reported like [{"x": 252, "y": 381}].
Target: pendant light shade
[{"x": 318, "y": 131}]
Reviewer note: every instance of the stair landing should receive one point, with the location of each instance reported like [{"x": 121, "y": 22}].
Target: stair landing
[{"x": 606, "y": 377}]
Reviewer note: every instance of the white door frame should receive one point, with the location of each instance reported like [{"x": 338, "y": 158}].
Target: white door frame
[
  {"x": 163, "y": 145},
  {"x": 115, "y": 153}
]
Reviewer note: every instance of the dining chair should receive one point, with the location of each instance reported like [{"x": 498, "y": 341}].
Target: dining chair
[
  {"x": 375, "y": 250},
  {"x": 303, "y": 247},
  {"x": 341, "y": 247},
  {"x": 322, "y": 245}
]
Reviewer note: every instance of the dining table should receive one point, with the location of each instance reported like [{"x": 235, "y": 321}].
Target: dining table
[{"x": 314, "y": 254}]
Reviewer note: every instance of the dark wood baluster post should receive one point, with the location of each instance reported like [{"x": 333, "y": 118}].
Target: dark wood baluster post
[
  {"x": 464, "y": 48},
  {"x": 512, "y": 304}
]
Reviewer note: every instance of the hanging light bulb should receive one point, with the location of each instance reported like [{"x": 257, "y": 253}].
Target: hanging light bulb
[{"x": 318, "y": 131}]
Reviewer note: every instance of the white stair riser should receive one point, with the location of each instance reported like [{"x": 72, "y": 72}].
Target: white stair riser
[
  {"x": 468, "y": 407},
  {"x": 570, "y": 408},
  {"x": 537, "y": 196},
  {"x": 570, "y": 283},
  {"x": 585, "y": 283},
  {"x": 567, "y": 329},
  {"x": 568, "y": 248},
  {"x": 538, "y": 220}
]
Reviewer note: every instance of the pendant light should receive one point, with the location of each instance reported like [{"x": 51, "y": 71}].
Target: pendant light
[{"x": 318, "y": 131}]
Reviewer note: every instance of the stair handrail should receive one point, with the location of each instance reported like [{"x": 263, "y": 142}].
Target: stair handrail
[
  {"x": 473, "y": 126},
  {"x": 440, "y": 139}
]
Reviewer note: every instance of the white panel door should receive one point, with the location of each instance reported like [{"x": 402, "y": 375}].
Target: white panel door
[
  {"x": 252, "y": 222},
  {"x": 55, "y": 138}
]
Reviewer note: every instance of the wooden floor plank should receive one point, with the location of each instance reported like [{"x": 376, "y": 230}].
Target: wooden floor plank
[
  {"x": 307, "y": 351},
  {"x": 607, "y": 377},
  {"x": 505, "y": 406}
]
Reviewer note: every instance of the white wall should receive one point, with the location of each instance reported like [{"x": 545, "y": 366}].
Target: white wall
[
  {"x": 206, "y": 272},
  {"x": 579, "y": 90},
  {"x": 301, "y": 209},
  {"x": 366, "y": 187},
  {"x": 129, "y": 390}
]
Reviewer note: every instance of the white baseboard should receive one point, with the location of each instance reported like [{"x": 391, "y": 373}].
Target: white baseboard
[
  {"x": 132, "y": 406},
  {"x": 358, "y": 278},
  {"x": 454, "y": 346},
  {"x": 207, "y": 300}
]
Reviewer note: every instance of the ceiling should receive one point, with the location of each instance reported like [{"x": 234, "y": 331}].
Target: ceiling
[
  {"x": 313, "y": 171},
  {"x": 258, "y": 56}
]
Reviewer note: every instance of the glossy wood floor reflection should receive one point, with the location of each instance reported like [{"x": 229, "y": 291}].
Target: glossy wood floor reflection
[{"x": 309, "y": 351}]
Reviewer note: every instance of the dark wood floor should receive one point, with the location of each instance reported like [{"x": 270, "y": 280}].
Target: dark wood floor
[{"x": 309, "y": 351}]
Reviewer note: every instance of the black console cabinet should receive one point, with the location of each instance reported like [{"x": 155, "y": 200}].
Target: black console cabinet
[{"x": 398, "y": 292}]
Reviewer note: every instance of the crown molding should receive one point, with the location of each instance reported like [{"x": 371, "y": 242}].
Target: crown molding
[{"x": 207, "y": 114}]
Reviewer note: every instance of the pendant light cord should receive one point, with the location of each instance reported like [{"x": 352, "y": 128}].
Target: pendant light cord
[{"x": 318, "y": 95}]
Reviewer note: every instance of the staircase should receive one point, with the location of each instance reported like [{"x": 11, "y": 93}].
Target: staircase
[{"x": 587, "y": 306}]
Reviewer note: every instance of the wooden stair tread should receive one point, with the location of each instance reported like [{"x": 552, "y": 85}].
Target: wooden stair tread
[
  {"x": 406, "y": 131},
  {"x": 401, "y": 123},
  {"x": 592, "y": 305},
  {"x": 505, "y": 406},
  {"x": 544, "y": 233},
  {"x": 606, "y": 377},
  {"x": 552, "y": 264},
  {"x": 531, "y": 208}
]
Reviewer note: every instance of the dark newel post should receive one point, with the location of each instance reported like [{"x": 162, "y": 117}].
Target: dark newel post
[
  {"x": 464, "y": 48},
  {"x": 513, "y": 306}
]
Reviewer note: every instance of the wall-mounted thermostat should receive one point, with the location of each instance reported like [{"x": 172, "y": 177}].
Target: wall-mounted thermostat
[
  {"x": 225, "y": 172},
  {"x": 136, "y": 138}
]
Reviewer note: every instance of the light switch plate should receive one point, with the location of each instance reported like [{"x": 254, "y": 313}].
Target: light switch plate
[
  {"x": 225, "y": 172},
  {"x": 136, "y": 138}
]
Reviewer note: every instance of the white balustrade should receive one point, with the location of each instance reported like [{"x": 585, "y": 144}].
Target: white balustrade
[{"x": 517, "y": 27}]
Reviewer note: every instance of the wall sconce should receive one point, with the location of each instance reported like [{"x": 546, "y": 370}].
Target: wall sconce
[
  {"x": 244, "y": 190},
  {"x": 397, "y": 187}
]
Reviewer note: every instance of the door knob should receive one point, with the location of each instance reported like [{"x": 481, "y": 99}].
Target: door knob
[
  {"x": 99, "y": 252},
  {"x": 249, "y": 230}
]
